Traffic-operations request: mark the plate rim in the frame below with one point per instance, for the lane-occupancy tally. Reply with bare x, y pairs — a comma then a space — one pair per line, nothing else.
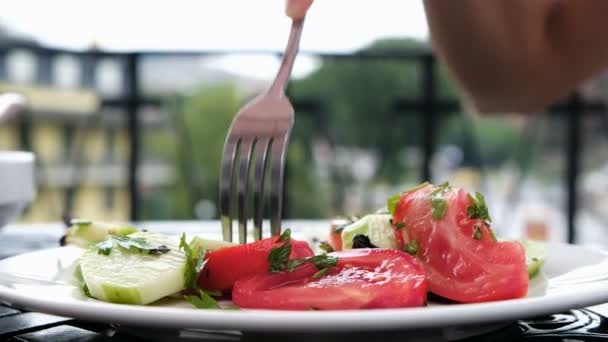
336, 320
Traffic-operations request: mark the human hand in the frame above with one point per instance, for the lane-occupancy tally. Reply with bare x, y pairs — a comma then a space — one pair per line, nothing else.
296, 9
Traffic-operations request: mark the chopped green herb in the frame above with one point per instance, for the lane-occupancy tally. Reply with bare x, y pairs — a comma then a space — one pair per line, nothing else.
214, 293
412, 247
320, 262
535, 259
392, 203
326, 247
195, 262
479, 209
400, 225
203, 301
477, 232
320, 273
439, 205
438, 208
439, 189
286, 236
138, 245
279, 256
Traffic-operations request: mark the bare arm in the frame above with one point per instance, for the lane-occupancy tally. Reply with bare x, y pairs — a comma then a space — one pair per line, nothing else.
519, 55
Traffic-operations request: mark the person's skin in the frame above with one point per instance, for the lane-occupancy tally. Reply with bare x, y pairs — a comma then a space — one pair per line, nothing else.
296, 9
519, 55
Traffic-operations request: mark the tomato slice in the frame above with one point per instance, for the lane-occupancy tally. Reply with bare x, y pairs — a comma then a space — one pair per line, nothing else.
362, 279
226, 265
461, 258
335, 238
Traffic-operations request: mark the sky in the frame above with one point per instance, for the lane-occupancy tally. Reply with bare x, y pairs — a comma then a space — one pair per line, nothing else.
124, 25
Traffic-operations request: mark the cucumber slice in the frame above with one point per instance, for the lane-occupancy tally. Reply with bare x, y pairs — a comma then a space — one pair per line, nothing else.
84, 233
377, 227
209, 245
130, 277
535, 256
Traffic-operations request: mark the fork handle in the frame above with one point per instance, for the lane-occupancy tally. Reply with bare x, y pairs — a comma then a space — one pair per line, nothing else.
278, 85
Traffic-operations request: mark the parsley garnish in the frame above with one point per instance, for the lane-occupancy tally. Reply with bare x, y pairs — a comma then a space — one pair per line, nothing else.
195, 262
479, 209
438, 208
400, 225
286, 236
439, 205
412, 247
139, 245
279, 256
477, 232
439, 189
322, 262
203, 301
326, 247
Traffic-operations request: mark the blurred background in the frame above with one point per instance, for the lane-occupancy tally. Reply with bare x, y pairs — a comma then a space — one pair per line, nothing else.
129, 104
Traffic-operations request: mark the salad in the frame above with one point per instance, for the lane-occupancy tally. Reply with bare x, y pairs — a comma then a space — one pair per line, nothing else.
431, 239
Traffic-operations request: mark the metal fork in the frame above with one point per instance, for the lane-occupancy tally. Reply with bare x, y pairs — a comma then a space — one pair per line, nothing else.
259, 131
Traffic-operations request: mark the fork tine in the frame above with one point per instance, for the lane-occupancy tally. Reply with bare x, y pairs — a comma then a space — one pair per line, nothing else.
226, 183
260, 154
278, 148
242, 187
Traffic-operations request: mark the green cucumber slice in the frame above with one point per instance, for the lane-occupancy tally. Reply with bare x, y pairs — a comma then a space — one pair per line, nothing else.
377, 227
84, 233
535, 256
129, 277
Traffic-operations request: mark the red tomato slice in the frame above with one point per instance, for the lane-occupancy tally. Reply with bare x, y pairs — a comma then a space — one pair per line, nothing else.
460, 264
362, 279
226, 265
335, 238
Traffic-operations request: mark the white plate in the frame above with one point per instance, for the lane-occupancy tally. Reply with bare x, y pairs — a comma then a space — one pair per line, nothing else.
573, 277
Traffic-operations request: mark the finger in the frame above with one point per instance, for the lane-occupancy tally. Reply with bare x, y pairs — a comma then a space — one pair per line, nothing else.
296, 9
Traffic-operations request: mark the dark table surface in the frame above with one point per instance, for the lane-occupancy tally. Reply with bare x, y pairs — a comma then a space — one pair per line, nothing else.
17, 325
